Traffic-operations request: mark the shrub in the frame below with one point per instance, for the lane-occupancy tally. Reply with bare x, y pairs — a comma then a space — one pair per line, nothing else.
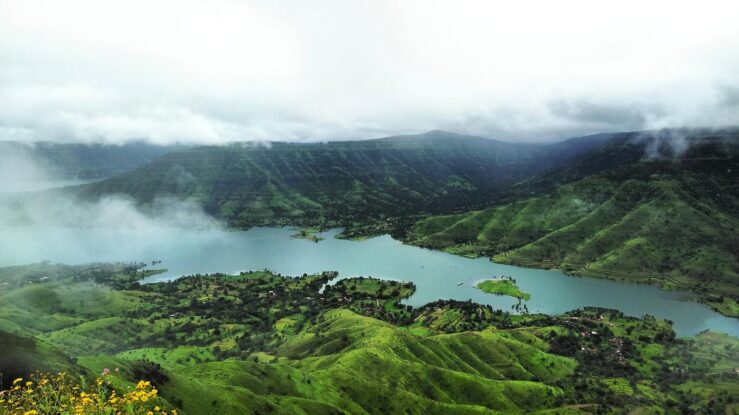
44, 394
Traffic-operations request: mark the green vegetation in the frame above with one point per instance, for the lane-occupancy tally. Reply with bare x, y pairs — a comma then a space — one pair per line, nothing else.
367, 187
261, 343
668, 222
46, 394
503, 286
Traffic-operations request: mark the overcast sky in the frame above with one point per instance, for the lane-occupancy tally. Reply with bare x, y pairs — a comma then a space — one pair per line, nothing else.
215, 71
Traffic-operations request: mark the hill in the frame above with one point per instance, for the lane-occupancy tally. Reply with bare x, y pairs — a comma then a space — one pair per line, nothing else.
342, 183
382, 183
666, 220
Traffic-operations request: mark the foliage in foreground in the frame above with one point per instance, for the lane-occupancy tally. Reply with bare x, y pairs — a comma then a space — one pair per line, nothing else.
46, 394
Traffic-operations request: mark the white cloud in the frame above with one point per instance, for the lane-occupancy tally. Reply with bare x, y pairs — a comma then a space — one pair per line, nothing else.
204, 71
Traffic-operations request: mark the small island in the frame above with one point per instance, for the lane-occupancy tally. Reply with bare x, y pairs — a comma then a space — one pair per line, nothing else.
503, 286
309, 234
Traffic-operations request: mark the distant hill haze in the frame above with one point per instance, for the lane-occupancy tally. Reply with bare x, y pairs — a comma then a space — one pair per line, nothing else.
60, 161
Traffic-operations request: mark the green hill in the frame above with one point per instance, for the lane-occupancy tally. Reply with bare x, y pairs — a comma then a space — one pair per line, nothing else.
341, 182
460, 373
668, 221
377, 186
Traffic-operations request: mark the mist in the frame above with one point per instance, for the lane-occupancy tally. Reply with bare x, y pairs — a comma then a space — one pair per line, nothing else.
675, 143
203, 72
55, 208
55, 224
19, 172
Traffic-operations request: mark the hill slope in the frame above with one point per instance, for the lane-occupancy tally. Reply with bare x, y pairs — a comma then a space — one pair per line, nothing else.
669, 221
342, 181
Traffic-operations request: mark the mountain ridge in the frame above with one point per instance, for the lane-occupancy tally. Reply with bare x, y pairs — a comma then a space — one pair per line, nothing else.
317, 183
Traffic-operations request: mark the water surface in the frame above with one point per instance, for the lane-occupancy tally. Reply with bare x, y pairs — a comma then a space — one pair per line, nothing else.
436, 274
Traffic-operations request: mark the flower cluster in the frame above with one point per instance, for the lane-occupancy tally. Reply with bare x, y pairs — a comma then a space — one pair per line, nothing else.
44, 394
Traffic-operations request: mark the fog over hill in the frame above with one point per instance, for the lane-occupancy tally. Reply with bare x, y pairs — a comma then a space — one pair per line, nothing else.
39, 161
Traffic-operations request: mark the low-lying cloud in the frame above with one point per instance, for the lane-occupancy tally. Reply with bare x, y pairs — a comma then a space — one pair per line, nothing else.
55, 208
212, 72
60, 226
675, 143
33, 196
19, 171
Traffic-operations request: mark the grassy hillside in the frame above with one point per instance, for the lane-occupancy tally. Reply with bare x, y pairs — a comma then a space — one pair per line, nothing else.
262, 343
346, 183
665, 221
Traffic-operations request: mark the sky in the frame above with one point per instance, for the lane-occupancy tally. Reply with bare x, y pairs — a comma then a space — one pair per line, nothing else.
219, 71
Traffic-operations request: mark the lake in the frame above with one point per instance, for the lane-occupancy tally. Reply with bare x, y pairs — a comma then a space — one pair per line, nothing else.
436, 274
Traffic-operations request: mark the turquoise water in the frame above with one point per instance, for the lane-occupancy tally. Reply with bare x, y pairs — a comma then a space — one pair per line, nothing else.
436, 274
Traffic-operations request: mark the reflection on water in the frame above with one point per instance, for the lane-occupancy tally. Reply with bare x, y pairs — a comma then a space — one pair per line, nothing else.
436, 274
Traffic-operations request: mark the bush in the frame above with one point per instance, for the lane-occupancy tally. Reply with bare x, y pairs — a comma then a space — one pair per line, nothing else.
44, 394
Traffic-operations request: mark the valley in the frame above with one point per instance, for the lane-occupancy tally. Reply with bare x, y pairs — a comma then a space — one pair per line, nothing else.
251, 207
386, 257
625, 206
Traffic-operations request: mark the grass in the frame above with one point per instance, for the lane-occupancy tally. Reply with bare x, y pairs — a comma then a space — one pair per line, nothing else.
503, 287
